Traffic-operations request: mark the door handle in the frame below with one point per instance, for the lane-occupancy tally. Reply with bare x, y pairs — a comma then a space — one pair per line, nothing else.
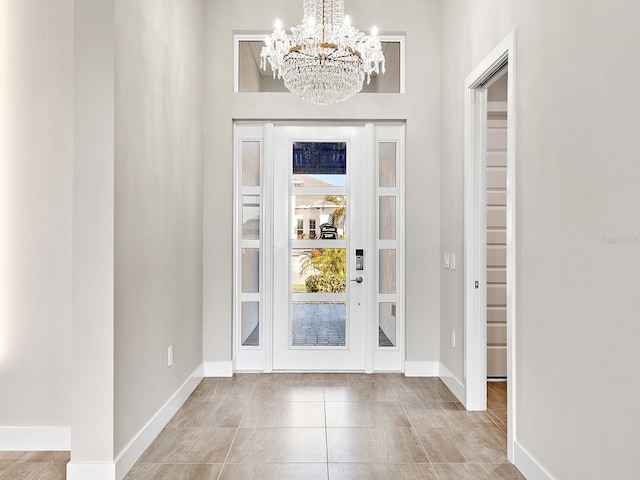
357, 279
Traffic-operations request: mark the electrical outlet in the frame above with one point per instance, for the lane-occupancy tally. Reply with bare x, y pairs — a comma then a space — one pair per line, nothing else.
170, 356
446, 260
453, 339
452, 261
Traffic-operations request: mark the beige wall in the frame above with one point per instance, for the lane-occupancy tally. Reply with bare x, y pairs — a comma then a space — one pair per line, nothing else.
36, 135
578, 243
420, 107
158, 205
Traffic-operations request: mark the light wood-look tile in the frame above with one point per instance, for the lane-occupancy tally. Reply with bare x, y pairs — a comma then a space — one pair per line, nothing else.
283, 414
275, 471
381, 471
238, 392
46, 457
288, 426
374, 444
294, 378
242, 377
366, 414
419, 390
439, 445
11, 456
35, 471
362, 392
286, 392
477, 471
158, 471
208, 414
205, 390
463, 420
482, 445
432, 414
278, 445
477, 444
190, 445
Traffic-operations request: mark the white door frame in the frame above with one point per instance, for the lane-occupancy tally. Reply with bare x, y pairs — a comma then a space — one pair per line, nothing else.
475, 313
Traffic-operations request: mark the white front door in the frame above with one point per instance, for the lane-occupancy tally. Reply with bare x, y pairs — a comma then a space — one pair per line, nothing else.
320, 222
318, 256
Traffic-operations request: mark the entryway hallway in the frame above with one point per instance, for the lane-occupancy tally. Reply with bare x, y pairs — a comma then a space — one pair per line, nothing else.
326, 426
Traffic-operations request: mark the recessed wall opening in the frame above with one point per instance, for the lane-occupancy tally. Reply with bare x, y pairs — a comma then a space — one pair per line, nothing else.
251, 78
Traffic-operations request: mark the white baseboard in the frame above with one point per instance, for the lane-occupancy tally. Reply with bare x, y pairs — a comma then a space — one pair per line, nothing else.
218, 369
528, 465
453, 384
420, 369
136, 447
35, 439
93, 471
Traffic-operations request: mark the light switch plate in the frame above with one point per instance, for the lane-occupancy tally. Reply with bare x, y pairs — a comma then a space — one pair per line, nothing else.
452, 261
446, 259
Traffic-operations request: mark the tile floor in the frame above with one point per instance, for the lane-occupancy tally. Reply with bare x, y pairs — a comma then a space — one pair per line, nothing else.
33, 465
314, 426
329, 426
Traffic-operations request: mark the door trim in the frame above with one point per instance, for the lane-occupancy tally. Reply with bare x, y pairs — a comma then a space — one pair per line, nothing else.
475, 317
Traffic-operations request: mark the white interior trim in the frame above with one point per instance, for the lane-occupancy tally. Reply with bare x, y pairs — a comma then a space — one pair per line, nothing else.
475, 218
94, 471
266, 246
218, 369
147, 434
421, 369
528, 465
475, 297
369, 332
35, 439
452, 382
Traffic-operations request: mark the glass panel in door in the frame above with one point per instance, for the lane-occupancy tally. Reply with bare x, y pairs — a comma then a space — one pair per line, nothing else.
318, 310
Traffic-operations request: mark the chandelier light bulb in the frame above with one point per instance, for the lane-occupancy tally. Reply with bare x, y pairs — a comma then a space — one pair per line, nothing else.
374, 31
325, 62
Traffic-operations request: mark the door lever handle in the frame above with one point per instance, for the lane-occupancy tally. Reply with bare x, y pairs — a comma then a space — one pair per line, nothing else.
357, 280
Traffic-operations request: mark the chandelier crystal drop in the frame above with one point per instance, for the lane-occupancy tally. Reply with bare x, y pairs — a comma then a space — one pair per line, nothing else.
324, 60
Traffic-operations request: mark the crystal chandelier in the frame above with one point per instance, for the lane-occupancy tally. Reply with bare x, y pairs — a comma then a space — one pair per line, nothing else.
325, 60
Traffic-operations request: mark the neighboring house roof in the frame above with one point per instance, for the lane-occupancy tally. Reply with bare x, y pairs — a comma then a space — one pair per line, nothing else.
311, 200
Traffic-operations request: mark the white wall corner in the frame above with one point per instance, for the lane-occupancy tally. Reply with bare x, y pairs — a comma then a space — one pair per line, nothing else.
35, 439
452, 383
528, 465
94, 471
136, 447
218, 369
420, 369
